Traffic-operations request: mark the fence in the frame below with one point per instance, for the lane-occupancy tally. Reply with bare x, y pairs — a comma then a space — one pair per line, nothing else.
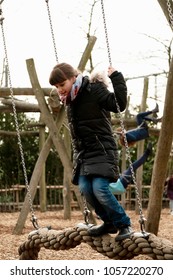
11, 199
129, 201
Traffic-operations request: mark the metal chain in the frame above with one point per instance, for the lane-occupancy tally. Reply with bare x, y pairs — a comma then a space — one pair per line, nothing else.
1, 15
170, 12
34, 219
86, 211
52, 32
106, 33
142, 219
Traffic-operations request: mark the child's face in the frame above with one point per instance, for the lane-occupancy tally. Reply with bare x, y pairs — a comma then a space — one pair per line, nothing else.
64, 88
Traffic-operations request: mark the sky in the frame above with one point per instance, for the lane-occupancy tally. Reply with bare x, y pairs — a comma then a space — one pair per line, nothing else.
137, 30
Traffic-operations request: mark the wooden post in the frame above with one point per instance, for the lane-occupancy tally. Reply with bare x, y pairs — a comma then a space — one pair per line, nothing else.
163, 5
123, 164
163, 148
67, 186
161, 159
52, 139
140, 146
36, 177
42, 181
87, 53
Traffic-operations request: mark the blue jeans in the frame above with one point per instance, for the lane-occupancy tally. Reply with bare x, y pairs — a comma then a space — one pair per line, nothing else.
97, 194
126, 177
143, 116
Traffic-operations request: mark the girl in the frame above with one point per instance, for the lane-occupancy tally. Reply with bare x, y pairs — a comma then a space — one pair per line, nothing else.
95, 153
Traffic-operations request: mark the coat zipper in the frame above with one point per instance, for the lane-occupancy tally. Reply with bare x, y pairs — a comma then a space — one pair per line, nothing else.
101, 144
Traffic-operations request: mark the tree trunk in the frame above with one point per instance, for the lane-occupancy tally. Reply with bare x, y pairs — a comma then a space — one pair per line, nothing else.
161, 160
163, 147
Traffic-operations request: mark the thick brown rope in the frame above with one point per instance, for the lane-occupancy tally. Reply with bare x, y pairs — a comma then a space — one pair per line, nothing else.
154, 247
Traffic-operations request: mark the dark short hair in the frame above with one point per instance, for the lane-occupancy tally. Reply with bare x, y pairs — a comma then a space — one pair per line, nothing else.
61, 72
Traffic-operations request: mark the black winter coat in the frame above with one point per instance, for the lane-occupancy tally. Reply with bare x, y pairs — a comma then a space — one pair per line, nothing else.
94, 147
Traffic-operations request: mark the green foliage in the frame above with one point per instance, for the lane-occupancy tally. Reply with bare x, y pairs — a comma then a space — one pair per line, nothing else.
11, 168
11, 171
54, 174
6, 199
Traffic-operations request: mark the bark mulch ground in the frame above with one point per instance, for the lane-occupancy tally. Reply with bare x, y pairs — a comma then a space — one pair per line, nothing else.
9, 243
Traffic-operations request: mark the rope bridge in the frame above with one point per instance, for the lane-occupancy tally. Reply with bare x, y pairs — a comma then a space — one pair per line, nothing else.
154, 247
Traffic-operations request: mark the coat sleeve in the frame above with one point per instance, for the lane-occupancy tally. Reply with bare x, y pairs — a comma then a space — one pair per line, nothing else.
107, 99
120, 89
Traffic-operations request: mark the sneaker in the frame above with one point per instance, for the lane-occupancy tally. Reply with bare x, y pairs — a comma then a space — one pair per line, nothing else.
156, 120
171, 212
117, 187
124, 233
156, 109
159, 119
102, 229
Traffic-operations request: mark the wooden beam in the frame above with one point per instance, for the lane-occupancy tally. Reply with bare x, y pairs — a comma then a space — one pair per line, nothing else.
87, 53
4, 92
164, 7
20, 105
22, 133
